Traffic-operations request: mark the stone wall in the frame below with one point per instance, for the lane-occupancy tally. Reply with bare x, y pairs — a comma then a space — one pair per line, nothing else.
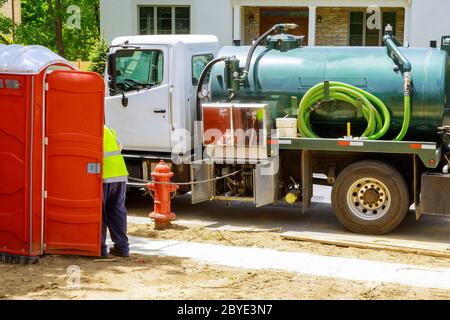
334, 28
400, 24
251, 29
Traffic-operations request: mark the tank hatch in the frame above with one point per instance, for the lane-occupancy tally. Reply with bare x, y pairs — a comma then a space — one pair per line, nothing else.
284, 42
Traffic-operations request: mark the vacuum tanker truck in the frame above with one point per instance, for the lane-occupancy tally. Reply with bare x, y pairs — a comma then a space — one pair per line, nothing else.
263, 123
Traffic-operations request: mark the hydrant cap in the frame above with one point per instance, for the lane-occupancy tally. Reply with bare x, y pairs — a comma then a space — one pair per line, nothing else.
162, 167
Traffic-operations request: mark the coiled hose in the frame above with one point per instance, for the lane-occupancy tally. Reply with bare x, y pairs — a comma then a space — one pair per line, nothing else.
377, 124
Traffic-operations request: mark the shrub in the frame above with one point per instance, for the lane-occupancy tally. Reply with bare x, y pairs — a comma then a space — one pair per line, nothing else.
98, 57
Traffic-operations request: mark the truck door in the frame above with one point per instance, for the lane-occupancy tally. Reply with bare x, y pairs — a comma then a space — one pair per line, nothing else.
143, 122
73, 158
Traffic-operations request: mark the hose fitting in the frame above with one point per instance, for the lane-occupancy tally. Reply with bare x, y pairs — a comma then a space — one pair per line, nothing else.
407, 83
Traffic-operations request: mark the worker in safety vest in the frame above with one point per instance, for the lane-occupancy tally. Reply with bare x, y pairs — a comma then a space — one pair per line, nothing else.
115, 177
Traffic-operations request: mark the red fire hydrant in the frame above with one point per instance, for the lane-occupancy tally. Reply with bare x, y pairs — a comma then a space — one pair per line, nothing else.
162, 189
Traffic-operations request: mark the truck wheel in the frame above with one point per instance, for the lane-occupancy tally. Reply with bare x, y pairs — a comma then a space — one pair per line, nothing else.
370, 197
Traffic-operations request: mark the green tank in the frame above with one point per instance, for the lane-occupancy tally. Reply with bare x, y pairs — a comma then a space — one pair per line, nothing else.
276, 74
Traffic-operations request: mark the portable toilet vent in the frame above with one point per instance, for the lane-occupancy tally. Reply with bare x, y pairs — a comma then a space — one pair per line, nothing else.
51, 136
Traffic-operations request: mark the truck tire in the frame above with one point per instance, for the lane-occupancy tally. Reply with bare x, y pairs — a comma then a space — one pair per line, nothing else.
370, 197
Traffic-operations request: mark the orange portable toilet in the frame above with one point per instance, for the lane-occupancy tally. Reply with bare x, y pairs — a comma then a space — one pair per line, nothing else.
51, 148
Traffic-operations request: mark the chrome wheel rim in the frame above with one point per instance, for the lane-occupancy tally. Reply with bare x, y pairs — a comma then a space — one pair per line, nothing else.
369, 199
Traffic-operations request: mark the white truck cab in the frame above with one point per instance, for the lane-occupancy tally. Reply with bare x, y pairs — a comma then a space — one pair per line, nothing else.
151, 83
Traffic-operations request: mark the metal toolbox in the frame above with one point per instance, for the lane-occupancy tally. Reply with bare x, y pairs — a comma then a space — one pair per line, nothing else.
238, 130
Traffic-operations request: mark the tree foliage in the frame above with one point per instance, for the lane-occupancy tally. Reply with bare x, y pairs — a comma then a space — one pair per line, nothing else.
48, 23
98, 57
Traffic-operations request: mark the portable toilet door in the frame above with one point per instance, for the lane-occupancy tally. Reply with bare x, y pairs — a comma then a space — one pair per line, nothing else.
73, 157
24, 129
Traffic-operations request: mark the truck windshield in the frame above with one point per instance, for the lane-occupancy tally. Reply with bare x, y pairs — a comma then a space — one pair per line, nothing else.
139, 69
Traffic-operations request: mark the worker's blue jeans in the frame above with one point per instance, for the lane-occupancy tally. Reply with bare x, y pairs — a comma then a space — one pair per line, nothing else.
115, 216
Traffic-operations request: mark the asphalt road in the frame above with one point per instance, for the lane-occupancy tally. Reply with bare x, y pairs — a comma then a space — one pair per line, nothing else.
319, 218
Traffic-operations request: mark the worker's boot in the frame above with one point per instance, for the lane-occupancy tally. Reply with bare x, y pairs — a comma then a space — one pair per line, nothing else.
119, 253
104, 252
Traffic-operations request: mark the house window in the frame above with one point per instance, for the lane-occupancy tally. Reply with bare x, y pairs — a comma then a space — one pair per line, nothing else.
361, 35
182, 20
356, 28
164, 20
147, 20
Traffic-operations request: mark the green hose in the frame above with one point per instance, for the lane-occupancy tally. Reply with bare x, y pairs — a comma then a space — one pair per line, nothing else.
377, 124
406, 118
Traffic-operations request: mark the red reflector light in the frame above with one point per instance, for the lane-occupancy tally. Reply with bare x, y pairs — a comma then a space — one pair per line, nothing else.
415, 146
432, 161
343, 143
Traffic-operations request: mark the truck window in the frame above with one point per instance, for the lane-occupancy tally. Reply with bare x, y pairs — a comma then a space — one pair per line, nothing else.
198, 64
139, 69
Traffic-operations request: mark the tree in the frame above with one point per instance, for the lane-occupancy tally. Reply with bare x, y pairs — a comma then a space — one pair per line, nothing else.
36, 26
45, 22
98, 57
56, 16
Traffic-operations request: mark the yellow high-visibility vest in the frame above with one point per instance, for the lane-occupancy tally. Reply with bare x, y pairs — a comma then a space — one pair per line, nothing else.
113, 163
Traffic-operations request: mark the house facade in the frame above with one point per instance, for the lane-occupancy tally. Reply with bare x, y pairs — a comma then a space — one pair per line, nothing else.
322, 22
11, 9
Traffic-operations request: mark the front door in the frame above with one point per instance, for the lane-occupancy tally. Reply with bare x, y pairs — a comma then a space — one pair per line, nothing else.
144, 122
272, 16
73, 158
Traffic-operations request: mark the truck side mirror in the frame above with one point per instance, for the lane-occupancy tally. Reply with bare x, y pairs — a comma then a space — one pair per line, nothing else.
112, 67
112, 70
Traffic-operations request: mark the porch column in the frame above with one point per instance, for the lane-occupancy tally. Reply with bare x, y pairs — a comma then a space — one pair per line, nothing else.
407, 25
312, 26
236, 24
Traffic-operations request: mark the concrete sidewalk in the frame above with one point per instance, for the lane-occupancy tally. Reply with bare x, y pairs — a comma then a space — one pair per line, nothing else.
319, 218
310, 264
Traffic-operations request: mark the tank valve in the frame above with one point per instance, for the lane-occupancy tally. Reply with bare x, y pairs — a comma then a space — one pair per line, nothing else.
233, 74
331, 177
294, 193
389, 30
447, 165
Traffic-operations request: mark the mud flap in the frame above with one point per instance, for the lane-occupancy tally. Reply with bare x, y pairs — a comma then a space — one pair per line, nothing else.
265, 182
435, 190
201, 171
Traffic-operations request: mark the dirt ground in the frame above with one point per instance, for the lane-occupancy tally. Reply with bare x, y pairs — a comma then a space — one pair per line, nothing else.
147, 277
150, 277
